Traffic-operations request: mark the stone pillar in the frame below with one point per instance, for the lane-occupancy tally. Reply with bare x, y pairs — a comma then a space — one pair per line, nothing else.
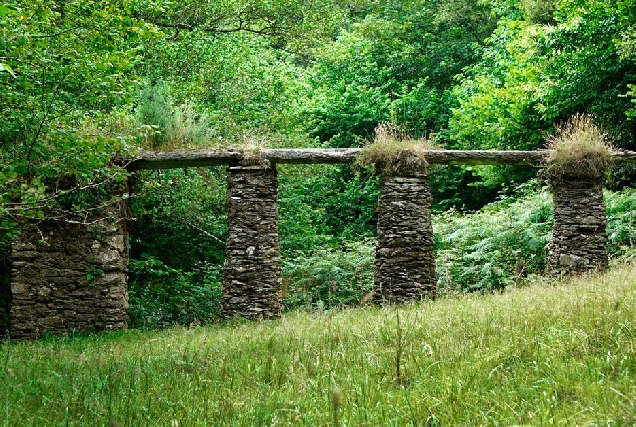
404, 259
69, 278
579, 237
252, 269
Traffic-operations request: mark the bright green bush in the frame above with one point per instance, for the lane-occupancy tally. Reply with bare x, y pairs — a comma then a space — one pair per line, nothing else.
179, 217
620, 224
318, 204
477, 251
167, 125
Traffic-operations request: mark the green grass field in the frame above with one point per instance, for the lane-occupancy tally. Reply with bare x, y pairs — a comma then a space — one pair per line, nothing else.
544, 354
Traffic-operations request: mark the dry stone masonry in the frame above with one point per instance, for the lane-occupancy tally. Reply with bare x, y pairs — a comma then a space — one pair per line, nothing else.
404, 259
69, 277
579, 237
252, 270
72, 277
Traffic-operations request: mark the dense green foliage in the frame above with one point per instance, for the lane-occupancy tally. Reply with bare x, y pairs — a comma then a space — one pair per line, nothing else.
538, 355
161, 296
474, 252
535, 71
175, 269
396, 62
329, 277
477, 252
65, 66
82, 81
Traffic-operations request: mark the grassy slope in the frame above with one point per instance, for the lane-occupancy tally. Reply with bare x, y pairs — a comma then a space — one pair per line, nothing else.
536, 355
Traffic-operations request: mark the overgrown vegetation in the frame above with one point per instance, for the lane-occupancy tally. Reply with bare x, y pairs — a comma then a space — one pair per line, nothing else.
503, 245
167, 126
330, 277
538, 355
477, 252
578, 148
161, 296
84, 80
393, 152
177, 247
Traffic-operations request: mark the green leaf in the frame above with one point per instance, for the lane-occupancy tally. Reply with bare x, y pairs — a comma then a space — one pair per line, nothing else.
5, 67
6, 9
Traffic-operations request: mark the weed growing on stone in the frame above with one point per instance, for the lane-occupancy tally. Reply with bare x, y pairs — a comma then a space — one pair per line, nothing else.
394, 152
562, 353
578, 148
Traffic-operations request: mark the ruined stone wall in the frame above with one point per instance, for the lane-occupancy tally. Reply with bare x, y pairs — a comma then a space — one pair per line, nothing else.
579, 237
69, 277
252, 270
404, 259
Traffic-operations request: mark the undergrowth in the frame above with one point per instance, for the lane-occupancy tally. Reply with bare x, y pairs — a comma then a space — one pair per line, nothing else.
474, 252
538, 355
330, 277
478, 251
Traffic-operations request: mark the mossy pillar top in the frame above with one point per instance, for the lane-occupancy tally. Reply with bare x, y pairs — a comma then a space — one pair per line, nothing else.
252, 270
579, 236
404, 259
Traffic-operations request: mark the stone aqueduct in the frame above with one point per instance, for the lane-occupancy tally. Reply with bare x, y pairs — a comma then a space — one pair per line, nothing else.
72, 277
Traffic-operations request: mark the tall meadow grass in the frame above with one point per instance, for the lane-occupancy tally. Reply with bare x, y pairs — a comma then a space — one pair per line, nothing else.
562, 353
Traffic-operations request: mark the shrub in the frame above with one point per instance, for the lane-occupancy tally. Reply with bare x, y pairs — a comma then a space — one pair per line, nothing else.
161, 296
167, 125
620, 224
177, 246
330, 277
322, 204
477, 251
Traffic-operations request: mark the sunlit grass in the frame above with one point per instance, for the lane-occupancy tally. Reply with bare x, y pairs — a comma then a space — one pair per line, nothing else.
563, 353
